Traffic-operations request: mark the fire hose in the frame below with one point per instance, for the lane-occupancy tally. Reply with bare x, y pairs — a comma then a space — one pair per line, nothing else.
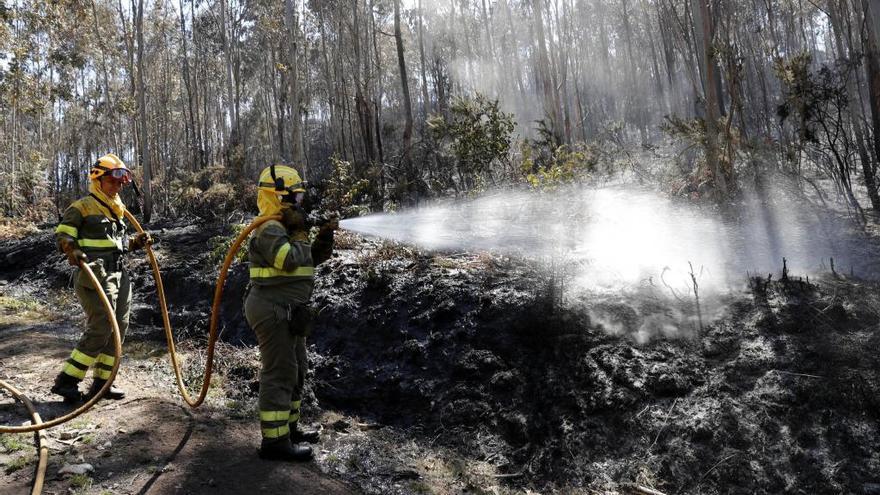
37, 425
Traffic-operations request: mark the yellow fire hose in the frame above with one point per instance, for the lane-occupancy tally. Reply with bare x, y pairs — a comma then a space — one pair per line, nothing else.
41, 436
37, 425
117, 349
215, 308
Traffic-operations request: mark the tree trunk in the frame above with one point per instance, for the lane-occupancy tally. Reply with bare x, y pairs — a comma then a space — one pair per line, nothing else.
407, 104
544, 73
872, 48
296, 138
190, 122
426, 108
144, 155
362, 107
704, 37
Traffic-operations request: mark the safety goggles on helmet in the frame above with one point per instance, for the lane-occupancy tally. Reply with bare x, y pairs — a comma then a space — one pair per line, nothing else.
111, 165
294, 198
295, 189
120, 174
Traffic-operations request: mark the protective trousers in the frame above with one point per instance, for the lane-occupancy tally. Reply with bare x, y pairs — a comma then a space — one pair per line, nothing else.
283, 356
95, 348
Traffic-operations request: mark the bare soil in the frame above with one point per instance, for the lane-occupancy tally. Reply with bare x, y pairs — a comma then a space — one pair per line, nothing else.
149, 442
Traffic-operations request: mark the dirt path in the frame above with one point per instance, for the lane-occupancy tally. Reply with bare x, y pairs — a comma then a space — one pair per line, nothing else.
150, 442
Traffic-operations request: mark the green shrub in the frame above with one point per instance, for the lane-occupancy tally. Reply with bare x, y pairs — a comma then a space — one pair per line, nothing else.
344, 191
563, 166
80, 483
219, 246
13, 442
478, 134
211, 193
17, 463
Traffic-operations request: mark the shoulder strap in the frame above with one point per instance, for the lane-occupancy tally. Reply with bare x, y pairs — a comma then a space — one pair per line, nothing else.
112, 213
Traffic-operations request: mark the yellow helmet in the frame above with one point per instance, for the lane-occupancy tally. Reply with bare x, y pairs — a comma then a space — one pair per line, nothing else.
113, 165
281, 179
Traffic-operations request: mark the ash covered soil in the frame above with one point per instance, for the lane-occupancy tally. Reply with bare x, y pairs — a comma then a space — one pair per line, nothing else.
465, 373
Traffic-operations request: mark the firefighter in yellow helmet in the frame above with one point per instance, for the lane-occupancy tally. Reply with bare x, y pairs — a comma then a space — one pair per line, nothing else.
92, 231
282, 270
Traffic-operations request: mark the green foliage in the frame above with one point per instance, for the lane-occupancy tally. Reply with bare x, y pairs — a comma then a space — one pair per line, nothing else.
22, 310
13, 442
478, 134
815, 105
813, 102
343, 189
17, 463
219, 246
695, 180
212, 193
692, 130
80, 483
563, 165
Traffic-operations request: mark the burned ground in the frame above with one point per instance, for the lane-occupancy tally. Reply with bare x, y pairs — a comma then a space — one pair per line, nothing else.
779, 395
423, 360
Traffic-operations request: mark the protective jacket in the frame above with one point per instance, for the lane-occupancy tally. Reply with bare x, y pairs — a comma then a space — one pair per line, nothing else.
99, 231
281, 270
282, 279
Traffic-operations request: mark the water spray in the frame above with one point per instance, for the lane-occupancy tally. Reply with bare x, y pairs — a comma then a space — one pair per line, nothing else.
618, 237
622, 244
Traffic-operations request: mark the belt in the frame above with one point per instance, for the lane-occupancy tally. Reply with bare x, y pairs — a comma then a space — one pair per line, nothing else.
112, 261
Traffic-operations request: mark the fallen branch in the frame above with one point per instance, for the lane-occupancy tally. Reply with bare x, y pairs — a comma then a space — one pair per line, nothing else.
697, 298
700, 481
668, 413
508, 475
663, 279
798, 374
640, 490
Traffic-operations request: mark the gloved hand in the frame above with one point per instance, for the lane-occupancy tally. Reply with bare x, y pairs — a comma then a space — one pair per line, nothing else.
328, 228
140, 240
299, 236
332, 224
293, 218
74, 254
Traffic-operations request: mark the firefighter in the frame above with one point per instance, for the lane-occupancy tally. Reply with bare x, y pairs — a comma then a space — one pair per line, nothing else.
92, 231
282, 262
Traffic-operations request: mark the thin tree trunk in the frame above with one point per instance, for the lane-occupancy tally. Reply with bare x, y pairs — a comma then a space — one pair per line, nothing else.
144, 158
872, 16
407, 106
703, 31
231, 100
190, 122
426, 102
545, 79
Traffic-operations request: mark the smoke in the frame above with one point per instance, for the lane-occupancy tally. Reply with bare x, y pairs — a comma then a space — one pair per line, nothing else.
495, 53
613, 243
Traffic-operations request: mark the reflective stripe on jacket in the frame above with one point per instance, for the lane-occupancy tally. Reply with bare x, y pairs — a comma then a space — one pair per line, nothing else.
281, 270
95, 228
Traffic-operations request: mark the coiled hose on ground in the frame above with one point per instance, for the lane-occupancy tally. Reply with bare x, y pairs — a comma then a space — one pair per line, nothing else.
37, 425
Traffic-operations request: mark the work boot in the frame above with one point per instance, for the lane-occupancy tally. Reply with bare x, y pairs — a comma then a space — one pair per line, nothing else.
283, 450
297, 435
113, 394
68, 387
